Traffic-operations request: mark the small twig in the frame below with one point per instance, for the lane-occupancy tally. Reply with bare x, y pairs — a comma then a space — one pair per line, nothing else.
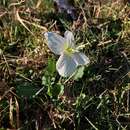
1, 15
17, 113
24, 77
38, 4
39, 91
21, 21
7, 64
36, 25
128, 100
104, 43
119, 122
6, 92
91, 123
11, 111
14, 4
69, 78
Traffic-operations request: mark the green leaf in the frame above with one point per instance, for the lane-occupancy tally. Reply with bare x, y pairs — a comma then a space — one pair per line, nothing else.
26, 90
45, 80
51, 68
56, 90
2, 129
49, 91
79, 73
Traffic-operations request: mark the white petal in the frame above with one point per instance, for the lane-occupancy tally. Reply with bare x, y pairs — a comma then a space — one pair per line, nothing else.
65, 65
80, 58
69, 38
55, 42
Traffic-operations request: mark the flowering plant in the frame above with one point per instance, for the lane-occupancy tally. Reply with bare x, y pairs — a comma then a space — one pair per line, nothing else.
70, 56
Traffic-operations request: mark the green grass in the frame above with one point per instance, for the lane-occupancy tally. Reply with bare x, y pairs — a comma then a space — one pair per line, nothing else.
32, 94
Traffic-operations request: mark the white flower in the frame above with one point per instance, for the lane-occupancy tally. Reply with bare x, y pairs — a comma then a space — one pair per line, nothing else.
70, 57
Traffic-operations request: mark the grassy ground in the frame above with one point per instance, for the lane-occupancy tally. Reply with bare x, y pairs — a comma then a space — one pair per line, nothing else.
32, 94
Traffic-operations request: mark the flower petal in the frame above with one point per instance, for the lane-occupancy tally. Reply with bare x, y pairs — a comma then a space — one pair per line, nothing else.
80, 58
65, 65
55, 42
69, 38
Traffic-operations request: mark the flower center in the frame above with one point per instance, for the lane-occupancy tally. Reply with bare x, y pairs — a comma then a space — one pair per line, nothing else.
68, 50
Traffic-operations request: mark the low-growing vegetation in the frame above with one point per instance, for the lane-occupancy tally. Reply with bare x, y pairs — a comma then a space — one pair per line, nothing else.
33, 96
